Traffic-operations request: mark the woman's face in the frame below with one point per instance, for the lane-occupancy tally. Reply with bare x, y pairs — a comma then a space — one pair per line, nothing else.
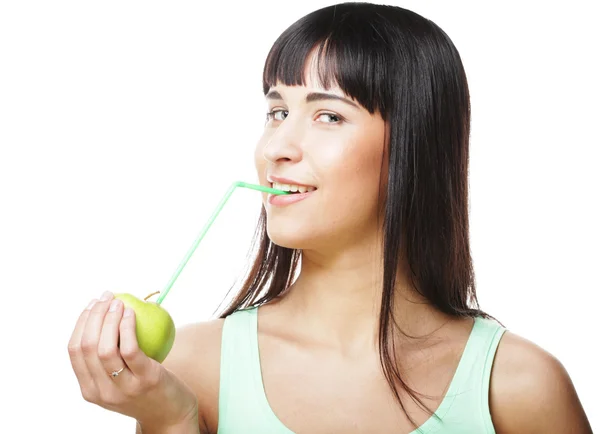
335, 145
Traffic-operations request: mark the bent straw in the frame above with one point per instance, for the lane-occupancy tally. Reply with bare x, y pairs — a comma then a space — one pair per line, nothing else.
190, 252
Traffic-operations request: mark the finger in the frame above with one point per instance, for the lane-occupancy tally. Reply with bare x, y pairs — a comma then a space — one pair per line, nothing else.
89, 346
108, 346
138, 362
75, 353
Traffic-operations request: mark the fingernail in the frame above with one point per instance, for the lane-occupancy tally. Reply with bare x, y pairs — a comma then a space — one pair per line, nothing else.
128, 312
114, 305
92, 303
106, 296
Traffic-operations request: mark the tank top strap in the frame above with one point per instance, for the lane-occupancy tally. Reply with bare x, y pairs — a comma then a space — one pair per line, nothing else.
476, 362
467, 401
243, 405
237, 388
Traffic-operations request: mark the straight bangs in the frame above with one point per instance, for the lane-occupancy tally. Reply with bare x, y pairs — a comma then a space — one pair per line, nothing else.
348, 52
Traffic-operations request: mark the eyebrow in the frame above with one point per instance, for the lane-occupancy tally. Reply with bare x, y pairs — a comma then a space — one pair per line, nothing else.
315, 96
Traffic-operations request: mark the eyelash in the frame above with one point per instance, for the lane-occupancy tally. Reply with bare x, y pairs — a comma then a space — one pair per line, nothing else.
271, 114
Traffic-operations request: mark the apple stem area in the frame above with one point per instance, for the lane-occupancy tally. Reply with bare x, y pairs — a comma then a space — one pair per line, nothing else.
148, 296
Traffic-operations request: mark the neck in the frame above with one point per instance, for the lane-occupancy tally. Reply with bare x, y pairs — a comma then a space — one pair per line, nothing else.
337, 300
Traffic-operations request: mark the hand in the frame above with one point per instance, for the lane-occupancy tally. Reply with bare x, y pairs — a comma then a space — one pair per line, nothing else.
103, 341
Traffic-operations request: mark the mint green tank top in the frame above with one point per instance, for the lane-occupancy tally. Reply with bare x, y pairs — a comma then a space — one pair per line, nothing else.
244, 409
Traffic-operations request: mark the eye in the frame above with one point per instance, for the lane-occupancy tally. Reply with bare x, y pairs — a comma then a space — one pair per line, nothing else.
280, 115
336, 118
273, 113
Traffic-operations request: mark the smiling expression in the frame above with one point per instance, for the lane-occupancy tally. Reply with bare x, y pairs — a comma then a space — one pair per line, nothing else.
323, 138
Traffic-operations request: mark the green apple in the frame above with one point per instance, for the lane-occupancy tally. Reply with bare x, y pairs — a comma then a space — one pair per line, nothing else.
154, 326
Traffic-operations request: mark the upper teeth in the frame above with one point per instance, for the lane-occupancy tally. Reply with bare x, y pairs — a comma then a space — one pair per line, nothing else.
292, 187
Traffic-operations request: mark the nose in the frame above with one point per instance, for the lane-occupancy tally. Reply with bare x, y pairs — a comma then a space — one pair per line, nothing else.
284, 144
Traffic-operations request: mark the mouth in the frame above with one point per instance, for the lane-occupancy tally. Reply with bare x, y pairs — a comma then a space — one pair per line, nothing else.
293, 188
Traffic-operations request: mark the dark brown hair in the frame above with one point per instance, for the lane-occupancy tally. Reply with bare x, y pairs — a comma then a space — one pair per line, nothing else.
403, 66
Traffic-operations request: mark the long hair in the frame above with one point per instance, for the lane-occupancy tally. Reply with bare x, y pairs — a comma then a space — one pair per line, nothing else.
406, 68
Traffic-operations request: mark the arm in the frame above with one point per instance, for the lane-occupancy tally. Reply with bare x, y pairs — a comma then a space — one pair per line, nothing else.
195, 359
531, 392
191, 427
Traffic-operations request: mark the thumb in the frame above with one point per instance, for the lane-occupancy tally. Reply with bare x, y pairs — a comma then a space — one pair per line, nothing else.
137, 362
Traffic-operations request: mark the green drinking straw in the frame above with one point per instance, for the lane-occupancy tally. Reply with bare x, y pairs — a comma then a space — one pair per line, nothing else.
190, 252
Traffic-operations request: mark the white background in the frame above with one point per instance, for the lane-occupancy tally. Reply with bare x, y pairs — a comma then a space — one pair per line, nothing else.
122, 124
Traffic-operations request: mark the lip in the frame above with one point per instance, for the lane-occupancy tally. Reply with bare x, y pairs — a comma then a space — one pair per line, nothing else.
287, 199
281, 180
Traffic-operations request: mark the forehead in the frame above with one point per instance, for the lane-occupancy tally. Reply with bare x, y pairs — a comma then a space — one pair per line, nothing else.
312, 82
282, 91
312, 66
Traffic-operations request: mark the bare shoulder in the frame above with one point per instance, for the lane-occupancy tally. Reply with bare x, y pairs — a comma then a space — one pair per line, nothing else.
195, 359
531, 391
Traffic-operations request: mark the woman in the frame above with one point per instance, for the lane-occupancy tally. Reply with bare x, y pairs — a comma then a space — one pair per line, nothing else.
359, 314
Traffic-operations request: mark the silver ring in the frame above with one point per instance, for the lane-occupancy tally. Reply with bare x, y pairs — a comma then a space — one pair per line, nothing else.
116, 373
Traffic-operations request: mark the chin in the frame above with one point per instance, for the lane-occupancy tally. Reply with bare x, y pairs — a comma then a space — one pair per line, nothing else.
286, 239
290, 238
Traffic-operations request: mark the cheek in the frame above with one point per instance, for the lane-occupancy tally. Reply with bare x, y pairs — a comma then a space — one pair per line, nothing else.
259, 160
357, 168
260, 164
352, 181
